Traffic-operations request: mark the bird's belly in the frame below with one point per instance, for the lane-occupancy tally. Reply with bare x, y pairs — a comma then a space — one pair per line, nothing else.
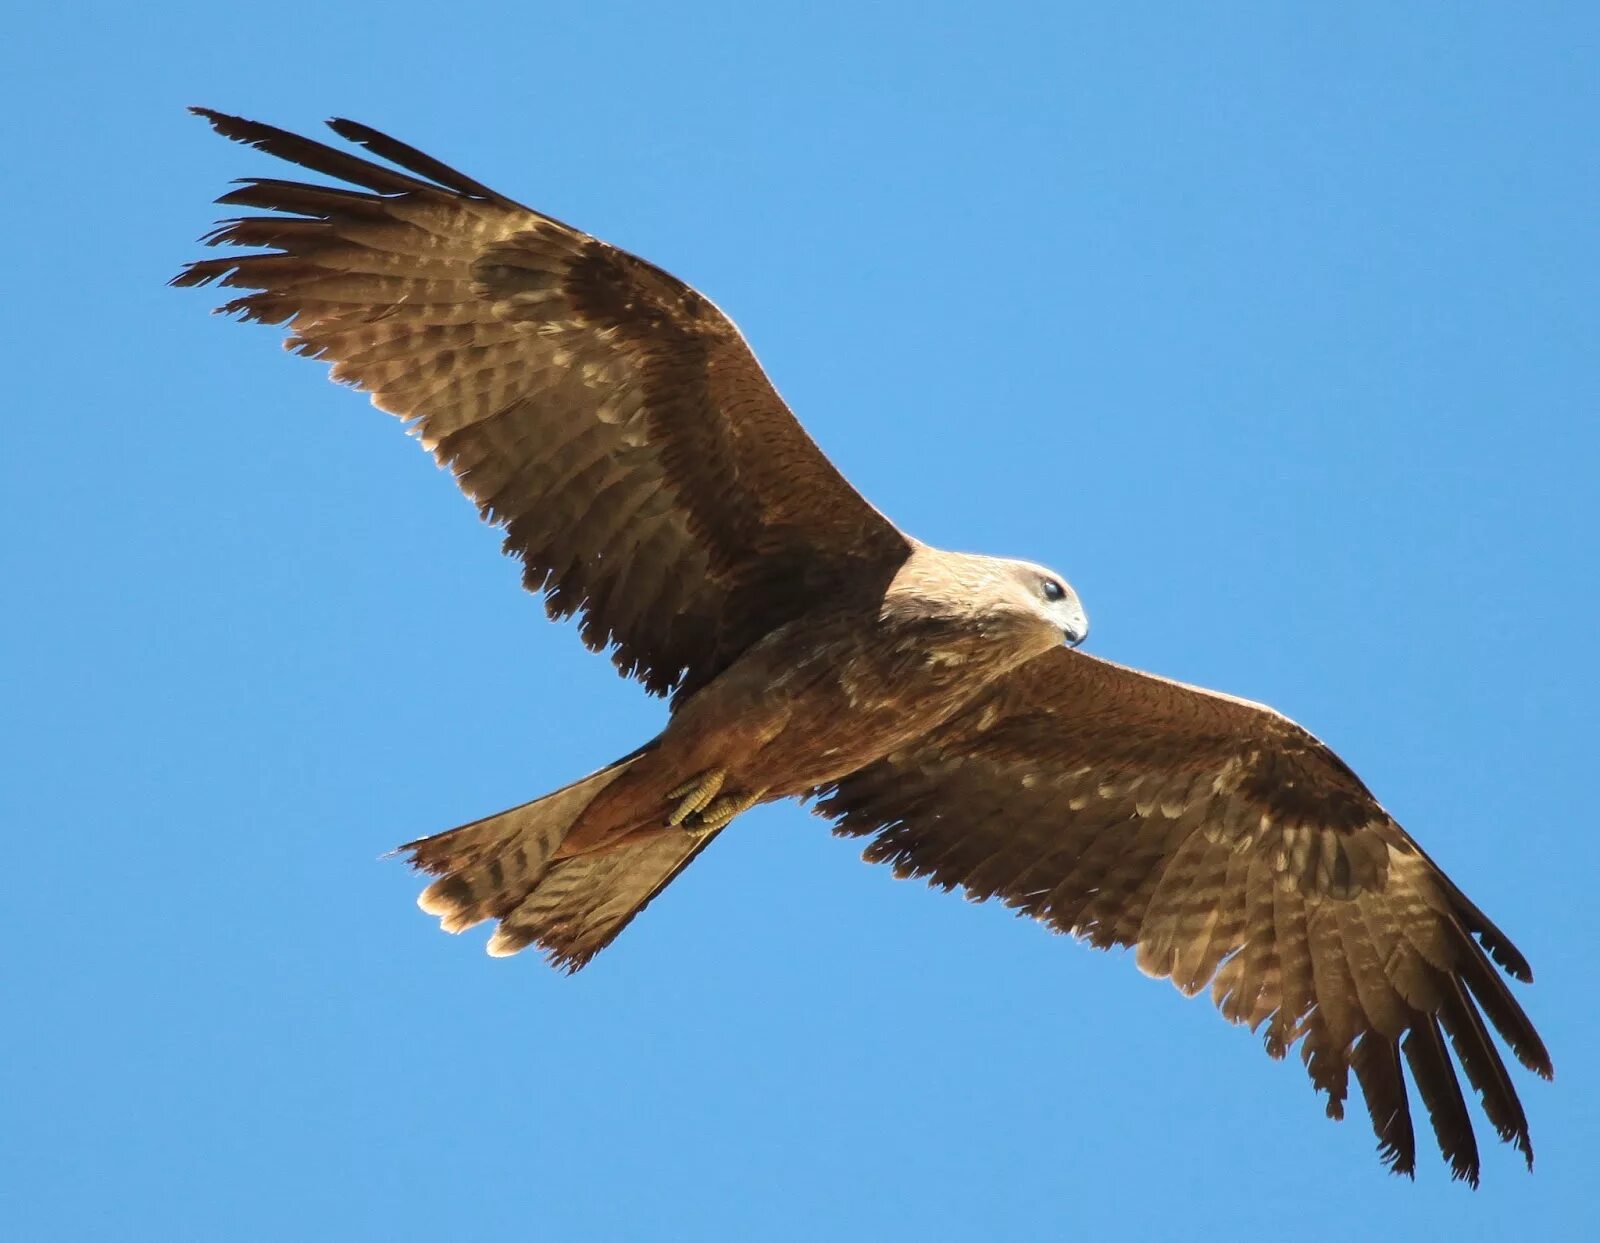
837, 729
810, 706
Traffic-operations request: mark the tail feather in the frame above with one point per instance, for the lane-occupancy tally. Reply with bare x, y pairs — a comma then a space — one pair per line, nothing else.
489, 866
504, 867
583, 903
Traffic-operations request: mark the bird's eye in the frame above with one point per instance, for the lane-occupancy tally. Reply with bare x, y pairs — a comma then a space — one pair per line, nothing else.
1053, 590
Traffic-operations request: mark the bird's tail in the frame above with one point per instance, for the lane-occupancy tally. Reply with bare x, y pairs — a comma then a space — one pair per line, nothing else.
505, 867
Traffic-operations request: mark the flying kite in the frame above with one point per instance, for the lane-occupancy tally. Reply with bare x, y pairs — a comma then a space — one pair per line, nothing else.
651, 480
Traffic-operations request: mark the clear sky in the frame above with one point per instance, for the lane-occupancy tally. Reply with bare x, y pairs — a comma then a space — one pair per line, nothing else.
1275, 331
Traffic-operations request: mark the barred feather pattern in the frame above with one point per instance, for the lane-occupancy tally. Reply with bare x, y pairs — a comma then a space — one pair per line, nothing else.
1232, 851
506, 868
607, 415
585, 902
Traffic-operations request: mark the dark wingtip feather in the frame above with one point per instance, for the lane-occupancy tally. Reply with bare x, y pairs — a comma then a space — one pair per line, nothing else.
238, 129
1376, 1062
1509, 1018
317, 156
1484, 1068
1488, 933
1506, 954
409, 158
188, 276
1435, 1077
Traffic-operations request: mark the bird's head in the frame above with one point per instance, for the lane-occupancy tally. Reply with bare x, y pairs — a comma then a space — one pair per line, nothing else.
1025, 606
1044, 602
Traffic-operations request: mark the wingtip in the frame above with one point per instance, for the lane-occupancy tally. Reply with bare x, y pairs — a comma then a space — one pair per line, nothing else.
234, 128
1507, 955
1401, 1161
218, 120
351, 130
1535, 1057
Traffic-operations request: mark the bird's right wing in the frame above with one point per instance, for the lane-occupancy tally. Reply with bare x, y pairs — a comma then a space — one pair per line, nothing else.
607, 415
1231, 849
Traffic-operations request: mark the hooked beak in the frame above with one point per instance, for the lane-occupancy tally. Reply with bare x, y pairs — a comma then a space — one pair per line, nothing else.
1076, 630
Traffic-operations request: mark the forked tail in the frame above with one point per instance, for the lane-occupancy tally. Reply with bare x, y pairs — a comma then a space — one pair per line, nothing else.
503, 867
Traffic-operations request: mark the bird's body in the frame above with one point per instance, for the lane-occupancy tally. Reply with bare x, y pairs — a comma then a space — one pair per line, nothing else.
835, 690
651, 480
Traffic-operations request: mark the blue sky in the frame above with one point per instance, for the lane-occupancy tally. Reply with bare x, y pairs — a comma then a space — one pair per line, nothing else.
1275, 331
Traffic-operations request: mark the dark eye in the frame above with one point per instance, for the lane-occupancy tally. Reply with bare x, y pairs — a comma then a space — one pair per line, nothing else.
1053, 590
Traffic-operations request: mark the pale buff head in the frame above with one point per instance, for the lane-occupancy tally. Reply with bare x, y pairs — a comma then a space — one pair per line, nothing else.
1025, 606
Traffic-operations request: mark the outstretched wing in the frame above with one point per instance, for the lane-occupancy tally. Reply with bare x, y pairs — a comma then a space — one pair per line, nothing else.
608, 416
1231, 848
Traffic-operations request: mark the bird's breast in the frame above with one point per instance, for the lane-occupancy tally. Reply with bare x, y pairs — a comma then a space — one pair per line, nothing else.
827, 696
859, 701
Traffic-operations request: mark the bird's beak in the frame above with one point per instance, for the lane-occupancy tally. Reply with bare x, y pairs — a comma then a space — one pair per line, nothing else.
1077, 629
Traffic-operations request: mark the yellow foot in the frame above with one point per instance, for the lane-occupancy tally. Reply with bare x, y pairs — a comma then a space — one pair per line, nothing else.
722, 810
696, 794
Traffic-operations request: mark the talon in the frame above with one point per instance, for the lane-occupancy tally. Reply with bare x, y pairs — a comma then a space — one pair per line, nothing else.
722, 810
696, 794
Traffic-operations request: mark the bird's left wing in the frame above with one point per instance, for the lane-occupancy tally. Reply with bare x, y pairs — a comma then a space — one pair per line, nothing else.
1231, 849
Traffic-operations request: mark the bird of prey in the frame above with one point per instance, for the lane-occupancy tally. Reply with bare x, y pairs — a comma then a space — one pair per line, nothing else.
651, 480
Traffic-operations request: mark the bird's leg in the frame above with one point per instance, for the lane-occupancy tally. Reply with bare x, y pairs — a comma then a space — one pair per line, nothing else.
719, 811
696, 793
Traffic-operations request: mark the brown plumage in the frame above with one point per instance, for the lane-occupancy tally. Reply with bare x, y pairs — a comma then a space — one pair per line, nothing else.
650, 479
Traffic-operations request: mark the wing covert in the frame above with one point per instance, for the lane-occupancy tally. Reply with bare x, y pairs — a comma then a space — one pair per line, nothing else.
1231, 849
604, 413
